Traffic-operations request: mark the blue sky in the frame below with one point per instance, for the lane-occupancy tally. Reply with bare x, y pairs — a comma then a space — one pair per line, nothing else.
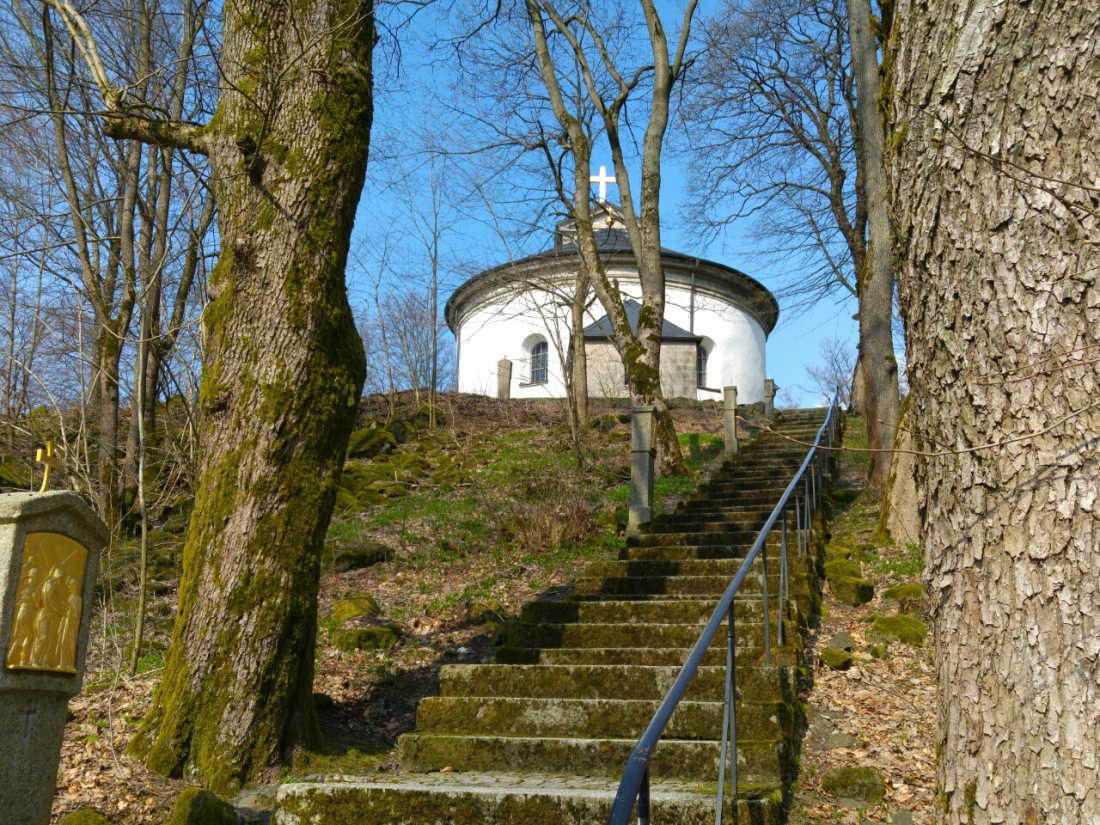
400, 183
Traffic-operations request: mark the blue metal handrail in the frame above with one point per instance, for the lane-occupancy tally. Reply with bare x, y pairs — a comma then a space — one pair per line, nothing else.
634, 786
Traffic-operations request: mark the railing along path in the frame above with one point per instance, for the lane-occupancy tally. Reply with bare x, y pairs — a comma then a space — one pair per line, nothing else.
802, 495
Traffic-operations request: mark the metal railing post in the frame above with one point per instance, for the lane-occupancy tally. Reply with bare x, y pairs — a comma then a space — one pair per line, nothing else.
798, 524
782, 588
767, 618
729, 721
643, 799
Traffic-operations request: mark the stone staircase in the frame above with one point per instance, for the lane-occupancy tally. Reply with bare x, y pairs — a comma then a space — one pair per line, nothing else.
543, 735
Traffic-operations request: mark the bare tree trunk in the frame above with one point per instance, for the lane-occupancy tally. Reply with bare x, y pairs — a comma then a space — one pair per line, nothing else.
875, 278
580, 354
994, 190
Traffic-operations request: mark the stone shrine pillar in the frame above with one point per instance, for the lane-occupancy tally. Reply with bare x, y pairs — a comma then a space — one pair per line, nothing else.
769, 397
49, 552
642, 455
729, 419
504, 378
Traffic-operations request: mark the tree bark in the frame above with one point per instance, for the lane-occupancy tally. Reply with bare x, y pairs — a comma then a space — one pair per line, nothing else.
875, 273
994, 175
282, 376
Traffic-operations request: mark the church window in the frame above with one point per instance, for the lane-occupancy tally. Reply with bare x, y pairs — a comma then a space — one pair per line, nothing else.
540, 363
700, 366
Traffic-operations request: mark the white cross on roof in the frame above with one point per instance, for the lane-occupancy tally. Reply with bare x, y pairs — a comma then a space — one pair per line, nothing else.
602, 179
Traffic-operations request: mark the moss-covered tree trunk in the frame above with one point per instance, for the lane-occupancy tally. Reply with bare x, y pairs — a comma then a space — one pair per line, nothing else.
995, 175
282, 375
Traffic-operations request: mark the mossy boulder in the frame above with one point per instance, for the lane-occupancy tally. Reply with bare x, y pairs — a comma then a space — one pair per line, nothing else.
851, 591
843, 641
371, 442
381, 637
863, 783
486, 611
84, 817
842, 568
358, 556
908, 596
905, 629
878, 651
352, 608
836, 659
198, 807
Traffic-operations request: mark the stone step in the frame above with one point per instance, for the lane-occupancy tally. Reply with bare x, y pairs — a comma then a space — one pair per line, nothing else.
594, 587
707, 551
642, 635
670, 538
788, 656
596, 718
687, 522
726, 567
758, 761
469, 798
765, 499
754, 683
638, 611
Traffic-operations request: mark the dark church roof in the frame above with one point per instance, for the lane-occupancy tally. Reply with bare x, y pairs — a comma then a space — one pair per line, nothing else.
614, 246
669, 332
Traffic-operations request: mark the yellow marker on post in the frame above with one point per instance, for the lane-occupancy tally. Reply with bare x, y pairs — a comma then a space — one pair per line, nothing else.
47, 458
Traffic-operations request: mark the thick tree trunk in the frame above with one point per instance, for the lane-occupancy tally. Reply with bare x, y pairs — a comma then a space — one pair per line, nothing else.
281, 382
875, 277
995, 123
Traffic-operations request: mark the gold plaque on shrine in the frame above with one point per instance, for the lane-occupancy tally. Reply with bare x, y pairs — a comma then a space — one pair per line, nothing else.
48, 604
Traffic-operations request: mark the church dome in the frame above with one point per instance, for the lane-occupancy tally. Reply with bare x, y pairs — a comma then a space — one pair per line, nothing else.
519, 313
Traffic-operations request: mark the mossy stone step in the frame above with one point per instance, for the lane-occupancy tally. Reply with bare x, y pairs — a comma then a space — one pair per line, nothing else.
510, 799
664, 567
545, 634
669, 538
682, 586
720, 522
688, 523
715, 550
596, 718
757, 760
665, 611
754, 683
656, 657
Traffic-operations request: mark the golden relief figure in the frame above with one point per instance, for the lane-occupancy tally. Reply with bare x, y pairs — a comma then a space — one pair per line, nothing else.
48, 604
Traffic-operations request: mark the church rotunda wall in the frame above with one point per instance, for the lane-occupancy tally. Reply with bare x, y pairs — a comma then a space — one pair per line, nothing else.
502, 312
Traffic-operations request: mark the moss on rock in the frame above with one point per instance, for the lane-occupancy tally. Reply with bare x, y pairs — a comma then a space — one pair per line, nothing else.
86, 816
852, 591
353, 608
368, 553
370, 442
863, 783
367, 638
836, 659
486, 610
198, 807
842, 568
908, 596
905, 629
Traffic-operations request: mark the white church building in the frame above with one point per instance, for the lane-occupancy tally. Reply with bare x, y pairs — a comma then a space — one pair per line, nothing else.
512, 323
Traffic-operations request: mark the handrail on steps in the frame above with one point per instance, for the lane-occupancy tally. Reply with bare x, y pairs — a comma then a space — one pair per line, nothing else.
634, 786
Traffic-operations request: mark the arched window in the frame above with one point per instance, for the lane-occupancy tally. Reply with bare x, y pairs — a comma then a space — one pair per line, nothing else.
700, 365
540, 363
